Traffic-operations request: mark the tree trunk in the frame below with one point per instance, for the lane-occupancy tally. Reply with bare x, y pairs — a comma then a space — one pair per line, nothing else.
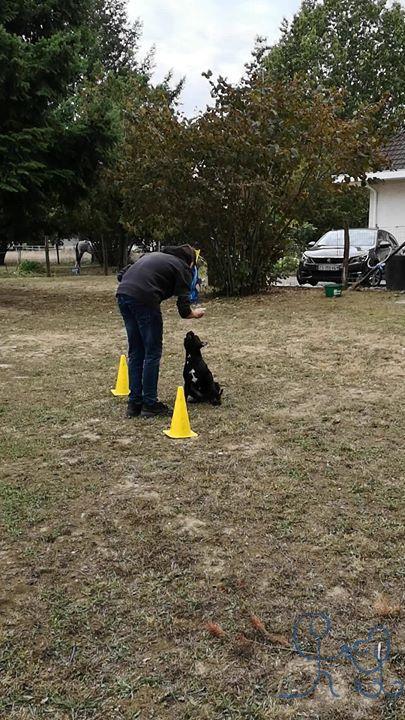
122, 253
105, 254
346, 255
47, 261
3, 251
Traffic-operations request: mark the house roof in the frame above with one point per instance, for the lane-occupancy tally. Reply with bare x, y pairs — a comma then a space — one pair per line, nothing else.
396, 151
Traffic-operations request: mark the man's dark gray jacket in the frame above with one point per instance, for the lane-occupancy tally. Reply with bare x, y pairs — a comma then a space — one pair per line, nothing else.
158, 276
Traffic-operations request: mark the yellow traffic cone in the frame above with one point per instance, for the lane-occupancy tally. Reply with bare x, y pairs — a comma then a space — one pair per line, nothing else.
122, 386
180, 429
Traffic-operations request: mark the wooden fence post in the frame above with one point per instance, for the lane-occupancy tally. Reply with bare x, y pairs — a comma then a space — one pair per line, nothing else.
48, 264
57, 252
346, 256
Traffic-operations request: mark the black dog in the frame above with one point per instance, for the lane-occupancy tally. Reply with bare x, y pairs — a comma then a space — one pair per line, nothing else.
199, 384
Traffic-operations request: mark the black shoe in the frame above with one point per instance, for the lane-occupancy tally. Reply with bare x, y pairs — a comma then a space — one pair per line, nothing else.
158, 409
133, 409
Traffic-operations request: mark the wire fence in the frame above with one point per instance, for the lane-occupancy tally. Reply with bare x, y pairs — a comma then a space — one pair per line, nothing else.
61, 255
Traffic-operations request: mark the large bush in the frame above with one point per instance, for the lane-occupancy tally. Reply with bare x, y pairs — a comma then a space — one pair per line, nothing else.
239, 177
266, 152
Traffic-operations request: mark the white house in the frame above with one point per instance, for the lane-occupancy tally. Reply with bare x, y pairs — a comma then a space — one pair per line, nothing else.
387, 192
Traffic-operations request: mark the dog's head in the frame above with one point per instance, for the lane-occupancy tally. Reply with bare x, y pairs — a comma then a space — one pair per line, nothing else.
192, 342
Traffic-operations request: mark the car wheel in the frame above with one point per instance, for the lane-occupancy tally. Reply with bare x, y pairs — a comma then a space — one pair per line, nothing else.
375, 279
313, 282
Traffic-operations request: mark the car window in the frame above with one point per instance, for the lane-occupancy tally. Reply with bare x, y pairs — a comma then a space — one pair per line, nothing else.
362, 238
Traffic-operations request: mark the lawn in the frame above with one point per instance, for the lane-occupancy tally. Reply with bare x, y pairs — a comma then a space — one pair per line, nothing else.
119, 546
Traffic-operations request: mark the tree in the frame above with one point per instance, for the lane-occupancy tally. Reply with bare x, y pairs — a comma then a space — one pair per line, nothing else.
126, 85
264, 153
116, 49
55, 128
115, 210
155, 170
354, 46
357, 49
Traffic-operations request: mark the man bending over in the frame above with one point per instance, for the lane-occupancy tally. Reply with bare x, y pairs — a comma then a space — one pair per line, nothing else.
154, 277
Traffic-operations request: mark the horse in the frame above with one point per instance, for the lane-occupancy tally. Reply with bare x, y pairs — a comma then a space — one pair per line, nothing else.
81, 247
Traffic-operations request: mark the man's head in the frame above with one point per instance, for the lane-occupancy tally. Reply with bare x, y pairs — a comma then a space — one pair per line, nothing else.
184, 252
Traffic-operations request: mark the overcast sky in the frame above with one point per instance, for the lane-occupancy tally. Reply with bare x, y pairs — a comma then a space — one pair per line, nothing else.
192, 36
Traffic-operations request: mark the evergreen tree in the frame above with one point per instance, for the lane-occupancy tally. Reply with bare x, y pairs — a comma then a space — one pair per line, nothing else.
55, 130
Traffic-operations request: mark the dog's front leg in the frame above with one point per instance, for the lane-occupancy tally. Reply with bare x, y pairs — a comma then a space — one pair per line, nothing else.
187, 389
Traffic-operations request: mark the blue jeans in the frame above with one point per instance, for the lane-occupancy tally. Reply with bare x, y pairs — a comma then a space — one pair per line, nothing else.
144, 326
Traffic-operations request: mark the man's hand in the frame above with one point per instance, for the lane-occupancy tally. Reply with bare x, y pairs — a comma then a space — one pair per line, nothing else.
196, 314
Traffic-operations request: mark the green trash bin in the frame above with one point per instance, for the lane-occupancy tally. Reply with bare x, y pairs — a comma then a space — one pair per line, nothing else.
333, 290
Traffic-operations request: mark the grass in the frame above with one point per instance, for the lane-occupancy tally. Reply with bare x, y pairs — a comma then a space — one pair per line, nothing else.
30, 267
118, 546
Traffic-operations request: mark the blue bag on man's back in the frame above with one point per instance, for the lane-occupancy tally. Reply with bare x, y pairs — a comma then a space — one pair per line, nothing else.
195, 282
